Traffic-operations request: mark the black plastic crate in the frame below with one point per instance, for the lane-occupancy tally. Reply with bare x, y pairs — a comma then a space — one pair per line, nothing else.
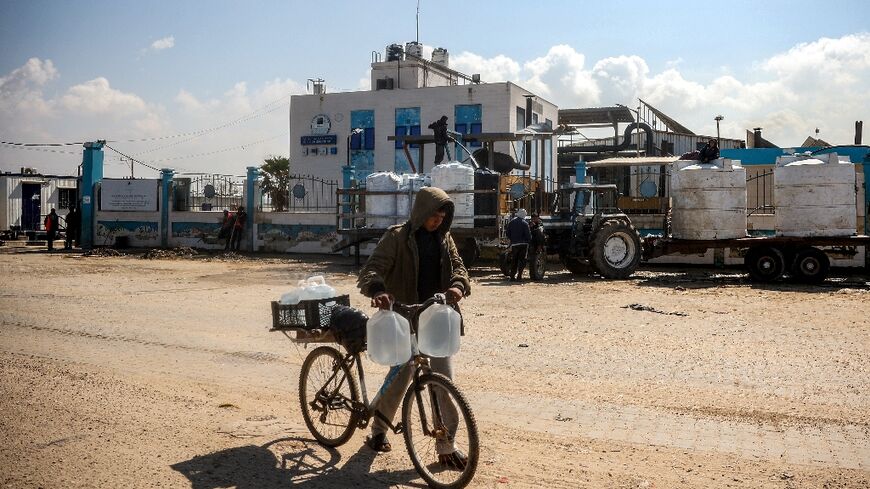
312, 314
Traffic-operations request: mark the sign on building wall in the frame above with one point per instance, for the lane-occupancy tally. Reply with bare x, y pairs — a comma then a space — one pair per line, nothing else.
129, 195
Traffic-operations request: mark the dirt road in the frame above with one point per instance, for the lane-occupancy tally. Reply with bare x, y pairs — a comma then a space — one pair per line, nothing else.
126, 372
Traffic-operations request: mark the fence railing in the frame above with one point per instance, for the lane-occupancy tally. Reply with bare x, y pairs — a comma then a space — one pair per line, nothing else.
207, 192
305, 193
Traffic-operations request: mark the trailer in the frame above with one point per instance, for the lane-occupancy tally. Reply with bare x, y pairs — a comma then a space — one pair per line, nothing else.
768, 258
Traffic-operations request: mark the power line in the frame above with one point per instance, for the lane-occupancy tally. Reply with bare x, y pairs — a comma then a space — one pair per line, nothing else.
251, 115
33, 148
146, 165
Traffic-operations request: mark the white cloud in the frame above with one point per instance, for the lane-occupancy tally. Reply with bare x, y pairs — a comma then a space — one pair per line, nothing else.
165, 43
97, 97
820, 83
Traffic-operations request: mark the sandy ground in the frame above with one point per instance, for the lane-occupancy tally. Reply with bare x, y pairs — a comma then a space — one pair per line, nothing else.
126, 372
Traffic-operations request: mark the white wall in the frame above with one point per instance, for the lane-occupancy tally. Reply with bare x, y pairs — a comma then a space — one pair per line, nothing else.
498, 101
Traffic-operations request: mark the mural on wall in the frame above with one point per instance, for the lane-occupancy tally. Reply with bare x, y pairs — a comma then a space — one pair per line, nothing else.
197, 230
107, 231
291, 234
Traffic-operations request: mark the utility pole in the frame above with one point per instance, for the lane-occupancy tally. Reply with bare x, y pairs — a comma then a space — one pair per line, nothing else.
718, 119
131, 168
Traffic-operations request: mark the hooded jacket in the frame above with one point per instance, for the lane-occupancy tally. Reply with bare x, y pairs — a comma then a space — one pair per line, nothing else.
394, 265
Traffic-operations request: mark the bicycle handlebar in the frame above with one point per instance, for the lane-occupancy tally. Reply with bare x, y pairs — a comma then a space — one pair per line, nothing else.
411, 310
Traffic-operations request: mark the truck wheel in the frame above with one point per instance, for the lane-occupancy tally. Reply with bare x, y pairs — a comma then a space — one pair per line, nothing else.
537, 265
810, 266
616, 250
765, 264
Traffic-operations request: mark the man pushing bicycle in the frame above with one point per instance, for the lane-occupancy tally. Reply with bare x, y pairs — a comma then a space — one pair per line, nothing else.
411, 263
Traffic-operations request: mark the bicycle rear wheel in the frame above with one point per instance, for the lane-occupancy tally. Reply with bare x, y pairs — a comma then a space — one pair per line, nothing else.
326, 392
445, 425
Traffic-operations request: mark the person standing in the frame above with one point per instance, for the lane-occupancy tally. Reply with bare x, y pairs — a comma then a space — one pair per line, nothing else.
238, 228
51, 224
411, 263
537, 243
520, 235
439, 128
73, 225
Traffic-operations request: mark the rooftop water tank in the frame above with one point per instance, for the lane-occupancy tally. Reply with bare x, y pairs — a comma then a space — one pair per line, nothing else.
395, 52
814, 196
456, 176
381, 205
708, 200
441, 57
414, 48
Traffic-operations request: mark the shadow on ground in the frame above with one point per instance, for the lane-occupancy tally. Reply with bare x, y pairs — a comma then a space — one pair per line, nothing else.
288, 462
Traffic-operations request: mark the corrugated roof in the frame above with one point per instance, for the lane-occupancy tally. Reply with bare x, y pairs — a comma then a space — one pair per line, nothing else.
671, 123
595, 115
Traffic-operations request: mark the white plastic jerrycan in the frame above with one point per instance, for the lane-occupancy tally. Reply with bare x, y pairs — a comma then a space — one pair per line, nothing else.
438, 331
318, 289
388, 336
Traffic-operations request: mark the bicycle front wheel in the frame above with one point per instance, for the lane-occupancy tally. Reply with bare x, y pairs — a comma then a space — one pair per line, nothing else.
326, 393
438, 422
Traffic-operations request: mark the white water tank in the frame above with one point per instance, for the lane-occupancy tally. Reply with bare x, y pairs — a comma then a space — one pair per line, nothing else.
411, 184
414, 48
708, 200
441, 56
381, 205
454, 176
814, 196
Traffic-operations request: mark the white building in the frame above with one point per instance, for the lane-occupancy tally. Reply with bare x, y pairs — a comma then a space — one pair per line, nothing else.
27, 197
409, 93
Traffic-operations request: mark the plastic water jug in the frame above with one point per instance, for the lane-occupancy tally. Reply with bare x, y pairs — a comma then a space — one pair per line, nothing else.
438, 331
388, 336
294, 296
317, 288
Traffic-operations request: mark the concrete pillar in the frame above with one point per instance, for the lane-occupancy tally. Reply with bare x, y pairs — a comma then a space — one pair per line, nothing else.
165, 203
92, 173
251, 191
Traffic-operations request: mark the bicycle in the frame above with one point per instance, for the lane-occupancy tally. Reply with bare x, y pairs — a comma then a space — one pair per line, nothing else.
331, 407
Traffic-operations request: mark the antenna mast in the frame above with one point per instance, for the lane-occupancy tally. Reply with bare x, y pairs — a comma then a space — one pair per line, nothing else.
418, 21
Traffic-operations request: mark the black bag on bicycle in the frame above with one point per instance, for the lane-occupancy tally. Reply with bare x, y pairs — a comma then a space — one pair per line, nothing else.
348, 325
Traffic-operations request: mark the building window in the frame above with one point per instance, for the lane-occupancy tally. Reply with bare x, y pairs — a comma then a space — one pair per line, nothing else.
362, 144
67, 197
407, 124
468, 120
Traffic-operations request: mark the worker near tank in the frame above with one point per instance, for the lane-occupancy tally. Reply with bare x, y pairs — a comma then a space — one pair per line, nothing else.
709, 152
411, 263
439, 128
519, 235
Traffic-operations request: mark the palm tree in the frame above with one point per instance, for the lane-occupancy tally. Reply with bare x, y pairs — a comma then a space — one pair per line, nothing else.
276, 181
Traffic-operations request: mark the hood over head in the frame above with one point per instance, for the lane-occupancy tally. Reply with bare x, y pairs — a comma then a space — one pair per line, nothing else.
429, 200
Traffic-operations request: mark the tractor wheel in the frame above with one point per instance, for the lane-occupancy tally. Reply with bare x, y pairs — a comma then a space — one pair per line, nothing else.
577, 267
810, 266
469, 251
616, 249
537, 265
765, 263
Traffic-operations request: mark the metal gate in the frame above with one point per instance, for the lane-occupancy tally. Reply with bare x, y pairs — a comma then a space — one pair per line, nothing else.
207, 192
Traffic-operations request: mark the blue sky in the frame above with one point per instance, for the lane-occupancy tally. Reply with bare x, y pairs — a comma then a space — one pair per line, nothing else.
127, 70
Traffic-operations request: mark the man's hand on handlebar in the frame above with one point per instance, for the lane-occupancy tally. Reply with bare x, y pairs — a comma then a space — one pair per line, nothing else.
383, 300
454, 295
